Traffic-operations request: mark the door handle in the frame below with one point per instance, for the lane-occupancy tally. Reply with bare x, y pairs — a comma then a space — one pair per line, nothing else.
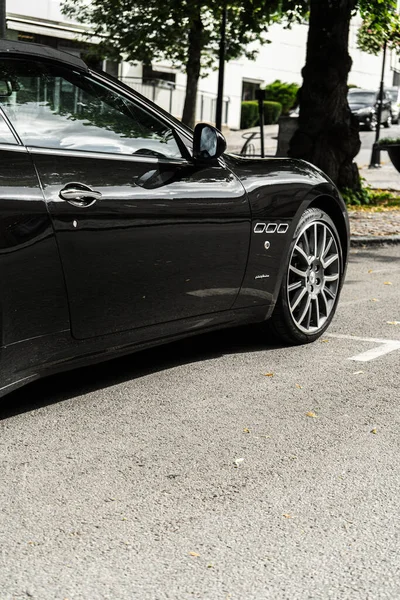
79, 195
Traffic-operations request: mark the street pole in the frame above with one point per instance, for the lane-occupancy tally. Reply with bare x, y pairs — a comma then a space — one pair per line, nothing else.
3, 26
260, 97
376, 153
220, 94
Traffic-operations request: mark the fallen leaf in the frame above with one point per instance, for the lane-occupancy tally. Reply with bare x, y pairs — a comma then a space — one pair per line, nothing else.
194, 554
373, 430
299, 386
370, 271
246, 430
387, 283
268, 374
210, 566
358, 372
393, 322
324, 341
287, 516
375, 300
312, 415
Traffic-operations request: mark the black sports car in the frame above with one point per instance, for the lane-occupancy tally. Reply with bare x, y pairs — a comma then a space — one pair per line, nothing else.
121, 229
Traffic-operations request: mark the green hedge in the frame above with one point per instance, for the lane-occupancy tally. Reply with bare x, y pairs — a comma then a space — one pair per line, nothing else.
285, 93
249, 114
272, 112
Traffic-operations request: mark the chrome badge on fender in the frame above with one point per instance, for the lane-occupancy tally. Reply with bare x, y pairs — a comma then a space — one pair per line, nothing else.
271, 227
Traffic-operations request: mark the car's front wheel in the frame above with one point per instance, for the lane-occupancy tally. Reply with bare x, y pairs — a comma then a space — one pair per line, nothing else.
311, 284
373, 123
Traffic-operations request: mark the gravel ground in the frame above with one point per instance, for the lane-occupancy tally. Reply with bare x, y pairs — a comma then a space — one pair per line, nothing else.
376, 224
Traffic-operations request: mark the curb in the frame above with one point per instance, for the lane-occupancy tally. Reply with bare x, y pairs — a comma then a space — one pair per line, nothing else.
374, 240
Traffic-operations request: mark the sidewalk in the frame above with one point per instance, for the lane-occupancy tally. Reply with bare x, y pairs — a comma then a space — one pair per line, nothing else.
365, 226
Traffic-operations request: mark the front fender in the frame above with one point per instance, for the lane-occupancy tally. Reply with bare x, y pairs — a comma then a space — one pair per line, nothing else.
279, 191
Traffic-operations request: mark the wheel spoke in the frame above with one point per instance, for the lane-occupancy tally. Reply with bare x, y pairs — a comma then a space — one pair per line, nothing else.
326, 249
308, 322
315, 239
329, 261
298, 271
325, 300
333, 277
322, 243
317, 314
299, 297
306, 242
294, 286
307, 306
328, 291
303, 254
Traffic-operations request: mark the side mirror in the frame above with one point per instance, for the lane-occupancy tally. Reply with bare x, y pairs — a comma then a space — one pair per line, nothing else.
208, 142
5, 88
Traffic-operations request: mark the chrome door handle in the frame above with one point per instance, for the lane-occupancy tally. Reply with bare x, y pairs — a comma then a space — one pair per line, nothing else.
79, 195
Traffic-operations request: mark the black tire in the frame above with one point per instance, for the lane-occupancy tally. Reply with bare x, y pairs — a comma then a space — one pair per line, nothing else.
373, 123
311, 283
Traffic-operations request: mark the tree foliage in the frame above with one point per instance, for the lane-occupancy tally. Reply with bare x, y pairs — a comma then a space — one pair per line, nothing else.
185, 32
285, 93
374, 33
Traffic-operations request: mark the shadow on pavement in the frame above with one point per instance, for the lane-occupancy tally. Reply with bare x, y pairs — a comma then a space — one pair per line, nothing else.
67, 385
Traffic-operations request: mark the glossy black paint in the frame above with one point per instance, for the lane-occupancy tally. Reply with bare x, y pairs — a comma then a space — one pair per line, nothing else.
167, 240
279, 190
33, 301
169, 249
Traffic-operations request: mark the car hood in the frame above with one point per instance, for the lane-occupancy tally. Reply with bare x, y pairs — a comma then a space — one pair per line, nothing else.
358, 106
279, 185
274, 169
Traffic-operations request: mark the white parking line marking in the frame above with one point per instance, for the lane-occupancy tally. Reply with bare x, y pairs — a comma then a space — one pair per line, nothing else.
385, 346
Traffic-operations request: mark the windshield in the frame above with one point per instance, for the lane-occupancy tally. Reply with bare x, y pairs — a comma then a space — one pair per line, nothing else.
393, 94
367, 98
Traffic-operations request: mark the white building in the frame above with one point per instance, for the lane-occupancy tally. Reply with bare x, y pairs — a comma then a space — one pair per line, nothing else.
42, 21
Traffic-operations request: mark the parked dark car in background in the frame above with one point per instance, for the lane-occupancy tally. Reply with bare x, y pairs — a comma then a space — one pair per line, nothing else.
364, 105
394, 93
120, 228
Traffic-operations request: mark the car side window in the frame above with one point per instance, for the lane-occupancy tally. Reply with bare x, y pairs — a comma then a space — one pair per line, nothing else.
6, 136
52, 106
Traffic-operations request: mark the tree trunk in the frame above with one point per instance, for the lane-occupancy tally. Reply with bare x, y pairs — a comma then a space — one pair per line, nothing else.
193, 66
328, 135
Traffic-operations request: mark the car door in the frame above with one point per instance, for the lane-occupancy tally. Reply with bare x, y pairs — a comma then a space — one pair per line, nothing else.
32, 292
145, 236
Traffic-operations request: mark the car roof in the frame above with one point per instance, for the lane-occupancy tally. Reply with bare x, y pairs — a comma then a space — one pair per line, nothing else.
356, 90
11, 47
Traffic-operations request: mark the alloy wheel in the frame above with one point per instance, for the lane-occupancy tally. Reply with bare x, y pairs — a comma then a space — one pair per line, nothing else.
313, 277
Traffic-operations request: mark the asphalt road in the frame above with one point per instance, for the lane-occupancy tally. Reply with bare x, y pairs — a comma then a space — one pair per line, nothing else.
363, 158
188, 472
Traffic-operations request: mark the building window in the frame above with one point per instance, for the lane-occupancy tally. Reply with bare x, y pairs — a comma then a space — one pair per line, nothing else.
150, 73
249, 89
